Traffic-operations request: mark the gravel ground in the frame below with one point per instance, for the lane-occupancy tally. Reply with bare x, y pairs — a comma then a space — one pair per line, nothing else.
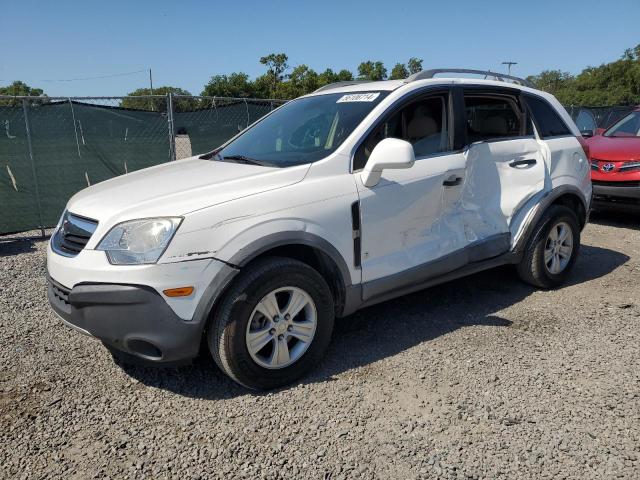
479, 378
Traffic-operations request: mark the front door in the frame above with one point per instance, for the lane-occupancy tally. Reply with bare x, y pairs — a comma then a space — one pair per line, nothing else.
409, 219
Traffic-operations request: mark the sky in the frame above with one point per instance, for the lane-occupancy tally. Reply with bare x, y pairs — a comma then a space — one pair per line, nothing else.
186, 42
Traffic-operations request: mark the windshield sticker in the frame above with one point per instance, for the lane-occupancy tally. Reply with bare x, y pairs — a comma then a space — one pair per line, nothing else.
359, 97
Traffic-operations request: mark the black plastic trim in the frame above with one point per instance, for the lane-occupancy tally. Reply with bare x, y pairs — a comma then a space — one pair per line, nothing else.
268, 242
119, 313
544, 203
487, 248
471, 268
355, 231
621, 190
123, 316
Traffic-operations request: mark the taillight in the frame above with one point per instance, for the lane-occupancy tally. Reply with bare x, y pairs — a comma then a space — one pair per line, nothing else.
584, 145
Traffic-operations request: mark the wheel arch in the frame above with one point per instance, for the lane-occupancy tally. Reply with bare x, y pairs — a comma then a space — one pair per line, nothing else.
308, 248
566, 195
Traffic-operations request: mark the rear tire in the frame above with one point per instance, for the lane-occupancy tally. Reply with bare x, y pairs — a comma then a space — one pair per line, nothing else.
552, 249
273, 325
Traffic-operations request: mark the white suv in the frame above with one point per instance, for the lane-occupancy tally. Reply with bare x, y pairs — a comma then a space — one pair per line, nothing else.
341, 199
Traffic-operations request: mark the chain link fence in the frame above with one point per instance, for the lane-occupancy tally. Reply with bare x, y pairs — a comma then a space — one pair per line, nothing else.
52, 147
602, 117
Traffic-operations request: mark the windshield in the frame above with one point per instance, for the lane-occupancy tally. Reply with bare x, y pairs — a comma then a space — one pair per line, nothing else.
629, 126
302, 131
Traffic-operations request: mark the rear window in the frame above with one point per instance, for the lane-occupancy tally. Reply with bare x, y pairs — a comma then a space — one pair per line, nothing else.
547, 120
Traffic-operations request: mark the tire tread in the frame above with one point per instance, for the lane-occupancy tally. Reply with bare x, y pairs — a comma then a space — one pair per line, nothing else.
217, 335
531, 268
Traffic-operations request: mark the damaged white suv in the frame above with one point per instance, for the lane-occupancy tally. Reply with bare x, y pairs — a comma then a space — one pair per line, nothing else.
350, 196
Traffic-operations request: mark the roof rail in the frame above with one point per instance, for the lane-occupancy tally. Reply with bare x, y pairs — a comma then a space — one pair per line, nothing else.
341, 84
425, 74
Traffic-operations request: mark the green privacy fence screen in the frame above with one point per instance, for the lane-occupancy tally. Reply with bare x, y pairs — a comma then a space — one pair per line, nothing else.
50, 148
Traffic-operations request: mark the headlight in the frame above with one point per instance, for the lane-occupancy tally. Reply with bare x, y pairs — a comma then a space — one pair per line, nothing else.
139, 241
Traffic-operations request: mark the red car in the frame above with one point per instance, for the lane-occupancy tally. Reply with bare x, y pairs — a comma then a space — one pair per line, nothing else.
615, 162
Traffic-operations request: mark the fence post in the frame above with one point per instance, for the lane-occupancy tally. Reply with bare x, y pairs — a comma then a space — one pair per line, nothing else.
172, 130
246, 105
75, 127
33, 164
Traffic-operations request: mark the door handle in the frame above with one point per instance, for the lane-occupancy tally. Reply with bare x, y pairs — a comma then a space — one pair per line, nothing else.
520, 163
452, 181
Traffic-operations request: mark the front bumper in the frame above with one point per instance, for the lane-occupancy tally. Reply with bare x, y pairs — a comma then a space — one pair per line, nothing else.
125, 308
131, 318
629, 190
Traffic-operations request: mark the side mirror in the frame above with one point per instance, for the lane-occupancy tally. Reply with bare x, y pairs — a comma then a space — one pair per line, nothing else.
390, 153
587, 133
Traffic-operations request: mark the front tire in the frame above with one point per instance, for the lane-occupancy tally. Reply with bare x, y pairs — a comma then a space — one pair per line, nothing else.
552, 249
273, 325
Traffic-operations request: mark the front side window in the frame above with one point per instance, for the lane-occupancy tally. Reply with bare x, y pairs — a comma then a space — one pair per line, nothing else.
423, 123
302, 131
629, 126
492, 117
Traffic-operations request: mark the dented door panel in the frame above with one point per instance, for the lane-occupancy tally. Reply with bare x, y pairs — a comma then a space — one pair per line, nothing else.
410, 217
501, 177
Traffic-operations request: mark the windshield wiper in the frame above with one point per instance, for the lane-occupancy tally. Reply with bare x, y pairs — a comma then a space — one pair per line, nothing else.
245, 160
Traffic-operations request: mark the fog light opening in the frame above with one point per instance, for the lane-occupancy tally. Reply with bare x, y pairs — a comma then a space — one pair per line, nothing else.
144, 349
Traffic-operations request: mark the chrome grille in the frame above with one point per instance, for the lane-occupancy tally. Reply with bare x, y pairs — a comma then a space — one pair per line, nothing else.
625, 167
73, 234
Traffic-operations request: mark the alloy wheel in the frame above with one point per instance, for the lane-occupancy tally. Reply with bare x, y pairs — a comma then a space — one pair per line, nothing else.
281, 327
558, 248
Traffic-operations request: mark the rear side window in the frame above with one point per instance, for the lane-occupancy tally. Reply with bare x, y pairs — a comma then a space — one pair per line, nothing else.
547, 120
492, 117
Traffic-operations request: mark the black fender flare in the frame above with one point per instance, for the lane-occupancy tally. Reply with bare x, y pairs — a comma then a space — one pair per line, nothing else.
279, 239
544, 204
246, 254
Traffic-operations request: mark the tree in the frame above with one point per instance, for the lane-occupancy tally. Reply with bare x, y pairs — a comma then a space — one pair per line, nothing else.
235, 85
614, 83
345, 76
329, 76
158, 104
276, 64
302, 80
551, 80
415, 65
372, 71
399, 71
19, 88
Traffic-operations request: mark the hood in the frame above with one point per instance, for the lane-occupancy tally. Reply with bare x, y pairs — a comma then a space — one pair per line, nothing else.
179, 187
616, 149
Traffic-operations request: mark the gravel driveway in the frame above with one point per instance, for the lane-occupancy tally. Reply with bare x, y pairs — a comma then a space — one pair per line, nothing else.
479, 378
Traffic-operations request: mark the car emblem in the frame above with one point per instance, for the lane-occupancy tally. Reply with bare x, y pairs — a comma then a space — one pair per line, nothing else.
608, 167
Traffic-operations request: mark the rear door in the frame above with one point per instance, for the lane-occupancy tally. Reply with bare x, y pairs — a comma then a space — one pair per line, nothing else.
505, 166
